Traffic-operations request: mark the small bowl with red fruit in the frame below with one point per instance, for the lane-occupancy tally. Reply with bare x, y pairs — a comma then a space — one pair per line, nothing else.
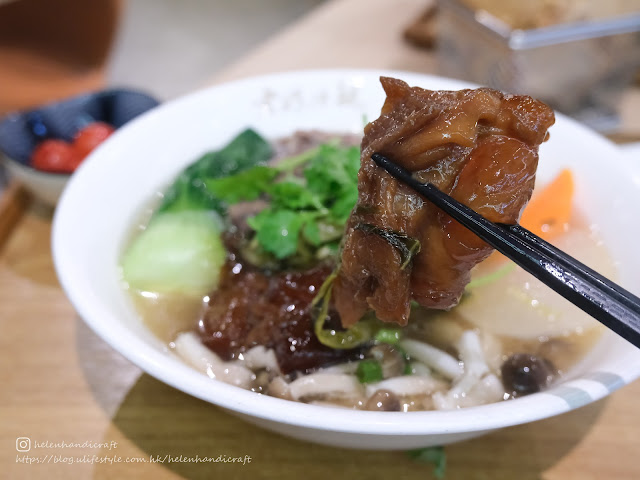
43, 147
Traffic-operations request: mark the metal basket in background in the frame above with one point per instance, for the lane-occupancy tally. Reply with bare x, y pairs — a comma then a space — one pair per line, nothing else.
580, 68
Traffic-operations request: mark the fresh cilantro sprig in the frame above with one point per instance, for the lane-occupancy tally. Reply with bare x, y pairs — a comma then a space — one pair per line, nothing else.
310, 197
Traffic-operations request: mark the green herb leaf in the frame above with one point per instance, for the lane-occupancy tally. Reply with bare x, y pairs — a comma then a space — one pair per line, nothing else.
332, 171
277, 230
290, 194
244, 186
311, 209
369, 371
190, 192
311, 233
343, 205
435, 455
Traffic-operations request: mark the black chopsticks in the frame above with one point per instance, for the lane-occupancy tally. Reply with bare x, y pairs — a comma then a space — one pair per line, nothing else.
607, 302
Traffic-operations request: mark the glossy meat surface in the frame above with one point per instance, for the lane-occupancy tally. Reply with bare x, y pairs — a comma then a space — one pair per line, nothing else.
479, 146
252, 307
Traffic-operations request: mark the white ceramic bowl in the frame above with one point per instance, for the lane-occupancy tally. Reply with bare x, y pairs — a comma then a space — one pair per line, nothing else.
97, 210
46, 186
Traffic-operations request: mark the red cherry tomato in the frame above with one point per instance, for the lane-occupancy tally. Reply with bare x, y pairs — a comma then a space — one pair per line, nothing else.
55, 156
90, 137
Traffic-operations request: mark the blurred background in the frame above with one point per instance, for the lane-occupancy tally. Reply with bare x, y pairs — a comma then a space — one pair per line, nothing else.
580, 56
53, 49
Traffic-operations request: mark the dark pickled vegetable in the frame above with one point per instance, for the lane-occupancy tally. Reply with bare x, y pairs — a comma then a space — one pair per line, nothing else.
479, 146
523, 374
252, 307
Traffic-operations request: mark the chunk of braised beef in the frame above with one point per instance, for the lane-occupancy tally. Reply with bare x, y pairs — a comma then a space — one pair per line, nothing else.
479, 146
252, 307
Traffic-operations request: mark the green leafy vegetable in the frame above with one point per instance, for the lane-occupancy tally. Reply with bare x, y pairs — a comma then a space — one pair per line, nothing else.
190, 190
369, 371
179, 252
310, 198
435, 455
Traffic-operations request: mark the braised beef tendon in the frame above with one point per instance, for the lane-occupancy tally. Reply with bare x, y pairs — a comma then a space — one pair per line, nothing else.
479, 146
252, 307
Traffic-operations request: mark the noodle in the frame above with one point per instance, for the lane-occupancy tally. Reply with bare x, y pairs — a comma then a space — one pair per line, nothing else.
440, 361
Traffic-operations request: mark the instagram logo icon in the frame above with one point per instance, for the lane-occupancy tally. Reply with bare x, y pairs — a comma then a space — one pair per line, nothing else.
23, 444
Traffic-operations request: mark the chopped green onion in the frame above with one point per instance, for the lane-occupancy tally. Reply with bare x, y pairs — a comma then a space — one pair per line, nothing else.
388, 335
435, 455
355, 335
369, 371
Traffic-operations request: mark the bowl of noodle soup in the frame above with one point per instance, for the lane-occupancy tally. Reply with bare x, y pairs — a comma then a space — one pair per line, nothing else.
111, 192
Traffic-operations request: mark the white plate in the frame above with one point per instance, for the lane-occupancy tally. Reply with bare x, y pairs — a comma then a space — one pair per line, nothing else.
98, 208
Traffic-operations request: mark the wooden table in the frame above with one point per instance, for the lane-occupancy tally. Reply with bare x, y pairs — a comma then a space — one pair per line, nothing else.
60, 383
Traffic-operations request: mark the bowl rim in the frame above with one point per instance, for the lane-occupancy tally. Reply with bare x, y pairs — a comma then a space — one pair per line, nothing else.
154, 362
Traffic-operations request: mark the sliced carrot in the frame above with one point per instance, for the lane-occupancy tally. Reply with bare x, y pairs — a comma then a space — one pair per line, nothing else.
548, 212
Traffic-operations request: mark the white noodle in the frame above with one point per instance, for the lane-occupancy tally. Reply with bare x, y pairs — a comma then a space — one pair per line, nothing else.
488, 390
279, 388
492, 348
407, 385
440, 361
348, 367
475, 367
189, 347
472, 354
418, 368
260, 357
442, 402
316, 384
